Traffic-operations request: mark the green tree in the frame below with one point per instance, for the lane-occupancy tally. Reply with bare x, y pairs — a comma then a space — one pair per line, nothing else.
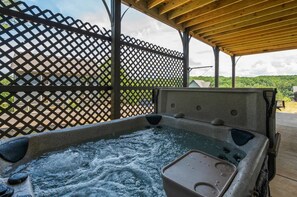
283, 84
6, 25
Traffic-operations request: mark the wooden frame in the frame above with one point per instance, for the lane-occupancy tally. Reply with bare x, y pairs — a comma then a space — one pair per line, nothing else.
234, 26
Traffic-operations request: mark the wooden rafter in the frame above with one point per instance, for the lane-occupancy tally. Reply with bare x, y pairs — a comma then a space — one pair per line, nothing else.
270, 48
222, 11
215, 5
265, 50
170, 5
142, 5
153, 3
190, 6
254, 45
265, 26
247, 36
258, 39
248, 13
269, 19
237, 27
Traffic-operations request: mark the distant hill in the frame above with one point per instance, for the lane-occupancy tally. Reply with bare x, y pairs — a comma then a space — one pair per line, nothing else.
284, 84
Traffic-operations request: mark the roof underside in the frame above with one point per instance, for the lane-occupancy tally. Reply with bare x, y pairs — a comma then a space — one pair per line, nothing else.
237, 27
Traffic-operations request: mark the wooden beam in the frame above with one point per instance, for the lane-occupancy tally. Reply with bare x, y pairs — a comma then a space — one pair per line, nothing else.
250, 13
201, 39
259, 41
265, 49
227, 51
257, 51
195, 4
200, 11
173, 4
142, 7
268, 43
263, 44
283, 35
221, 12
277, 30
210, 43
154, 3
266, 26
268, 19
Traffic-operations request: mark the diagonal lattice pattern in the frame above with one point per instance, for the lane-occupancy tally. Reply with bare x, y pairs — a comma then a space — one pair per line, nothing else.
39, 54
52, 75
135, 102
55, 71
24, 113
146, 66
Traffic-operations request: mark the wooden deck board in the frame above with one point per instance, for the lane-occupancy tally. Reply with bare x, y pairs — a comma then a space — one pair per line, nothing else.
283, 187
285, 182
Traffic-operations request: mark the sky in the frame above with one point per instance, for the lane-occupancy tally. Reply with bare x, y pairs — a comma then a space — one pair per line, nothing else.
150, 30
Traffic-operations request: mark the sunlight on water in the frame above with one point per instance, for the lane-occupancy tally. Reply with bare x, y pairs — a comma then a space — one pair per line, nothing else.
128, 165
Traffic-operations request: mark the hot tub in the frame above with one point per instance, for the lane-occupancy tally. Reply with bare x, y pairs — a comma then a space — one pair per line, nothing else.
232, 125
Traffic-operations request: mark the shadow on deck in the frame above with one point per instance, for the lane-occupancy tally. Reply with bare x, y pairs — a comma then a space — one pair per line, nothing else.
285, 182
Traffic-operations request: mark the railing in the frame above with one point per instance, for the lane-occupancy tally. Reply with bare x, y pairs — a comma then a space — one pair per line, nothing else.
55, 71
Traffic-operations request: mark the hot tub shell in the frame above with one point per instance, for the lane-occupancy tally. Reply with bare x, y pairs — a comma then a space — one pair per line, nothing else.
246, 110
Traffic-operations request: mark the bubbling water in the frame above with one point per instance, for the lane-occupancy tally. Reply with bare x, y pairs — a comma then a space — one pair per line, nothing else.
128, 165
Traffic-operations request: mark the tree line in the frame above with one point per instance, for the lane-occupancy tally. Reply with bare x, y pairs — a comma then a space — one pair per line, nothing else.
284, 84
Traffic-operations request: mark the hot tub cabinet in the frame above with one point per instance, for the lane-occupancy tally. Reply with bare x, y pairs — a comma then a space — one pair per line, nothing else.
244, 118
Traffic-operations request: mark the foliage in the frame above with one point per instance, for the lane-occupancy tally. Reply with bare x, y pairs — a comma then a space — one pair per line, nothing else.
284, 84
5, 25
7, 97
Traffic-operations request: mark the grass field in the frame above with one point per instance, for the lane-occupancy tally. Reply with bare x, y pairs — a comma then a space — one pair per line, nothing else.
290, 107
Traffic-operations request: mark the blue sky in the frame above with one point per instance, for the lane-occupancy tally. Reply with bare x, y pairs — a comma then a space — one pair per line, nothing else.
146, 28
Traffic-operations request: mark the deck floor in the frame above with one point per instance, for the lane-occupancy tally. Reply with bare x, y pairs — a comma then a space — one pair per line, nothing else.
285, 182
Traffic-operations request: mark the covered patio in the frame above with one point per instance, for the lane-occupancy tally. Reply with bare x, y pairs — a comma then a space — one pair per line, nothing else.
129, 69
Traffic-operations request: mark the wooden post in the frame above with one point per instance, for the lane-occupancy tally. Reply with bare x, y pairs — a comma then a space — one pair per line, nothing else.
115, 58
233, 70
216, 52
186, 42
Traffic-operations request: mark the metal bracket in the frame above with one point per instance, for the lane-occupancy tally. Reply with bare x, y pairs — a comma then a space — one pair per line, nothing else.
198, 67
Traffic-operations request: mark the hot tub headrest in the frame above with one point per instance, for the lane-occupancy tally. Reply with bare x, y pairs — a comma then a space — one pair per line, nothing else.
241, 137
14, 150
153, 119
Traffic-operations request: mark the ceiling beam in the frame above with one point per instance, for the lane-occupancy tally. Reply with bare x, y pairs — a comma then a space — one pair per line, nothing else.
277, 30
247, 14
291, 39
173, 4
200, 11
236, 27
221, 12
195, 4
142, 7
251, 23
263, 37
266, 26
264, 46
253, 51
266, 49
154, 3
